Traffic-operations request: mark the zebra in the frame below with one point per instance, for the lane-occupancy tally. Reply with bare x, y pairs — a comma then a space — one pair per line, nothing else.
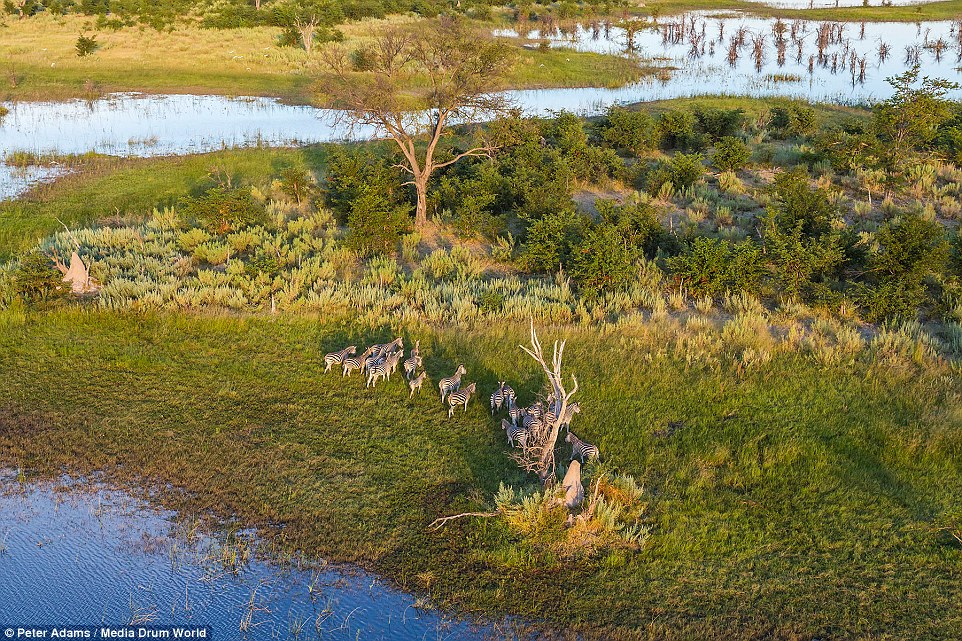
352, 363
384, 349
452, 383
336, 358
516, 435
373, 359
501, 396
416, 383
412, 364
581, 450
392, 361
460, 397
383, 368
515, 413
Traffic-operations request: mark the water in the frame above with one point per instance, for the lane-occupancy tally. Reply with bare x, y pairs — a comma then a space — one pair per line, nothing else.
828, 4
700, 58
140, 125
98, 557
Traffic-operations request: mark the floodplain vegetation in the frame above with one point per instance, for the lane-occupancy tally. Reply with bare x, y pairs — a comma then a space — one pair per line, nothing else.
770, 256
760, 299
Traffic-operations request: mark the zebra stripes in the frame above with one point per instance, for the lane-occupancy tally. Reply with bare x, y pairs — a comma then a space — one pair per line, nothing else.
451, 383
504, 395
460, 397
352, 363
336, 358
517, 436
581, 450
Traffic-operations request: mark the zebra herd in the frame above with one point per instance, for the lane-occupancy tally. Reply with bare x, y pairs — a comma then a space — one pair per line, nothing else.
379, 362
530, 427
526, 427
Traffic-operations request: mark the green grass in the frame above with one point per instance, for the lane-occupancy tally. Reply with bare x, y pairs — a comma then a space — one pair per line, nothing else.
104, 187
797, 501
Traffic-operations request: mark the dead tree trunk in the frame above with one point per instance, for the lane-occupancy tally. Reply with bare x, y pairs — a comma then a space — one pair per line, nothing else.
540, 459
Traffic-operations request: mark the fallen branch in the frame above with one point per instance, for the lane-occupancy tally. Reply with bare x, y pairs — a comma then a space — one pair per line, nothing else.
437, 524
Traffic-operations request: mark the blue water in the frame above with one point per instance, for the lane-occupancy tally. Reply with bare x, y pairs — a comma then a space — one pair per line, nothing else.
71, 556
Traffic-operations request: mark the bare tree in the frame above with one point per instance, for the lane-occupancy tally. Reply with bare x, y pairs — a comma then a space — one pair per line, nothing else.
539, 457
309, 18
414, 85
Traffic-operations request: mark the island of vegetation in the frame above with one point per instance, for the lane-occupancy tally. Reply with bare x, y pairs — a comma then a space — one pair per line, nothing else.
685, 369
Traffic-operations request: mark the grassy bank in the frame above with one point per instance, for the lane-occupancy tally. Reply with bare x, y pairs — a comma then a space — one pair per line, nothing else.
38, 61
795, 500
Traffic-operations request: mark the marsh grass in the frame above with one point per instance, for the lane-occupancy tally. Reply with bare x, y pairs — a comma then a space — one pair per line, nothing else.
782, 469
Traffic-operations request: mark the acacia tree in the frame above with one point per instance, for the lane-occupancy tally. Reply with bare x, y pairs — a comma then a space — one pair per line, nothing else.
415, 85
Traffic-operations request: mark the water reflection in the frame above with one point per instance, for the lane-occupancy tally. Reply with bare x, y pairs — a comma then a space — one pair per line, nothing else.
98, 557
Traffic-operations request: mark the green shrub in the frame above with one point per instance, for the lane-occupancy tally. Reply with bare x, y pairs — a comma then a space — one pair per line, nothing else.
681, 171
634, 131
731, 154
793, 121
376, 223
86, 45
720, 123
601, 261
550, 240
677, 130
37, 281
222, 210
711, 266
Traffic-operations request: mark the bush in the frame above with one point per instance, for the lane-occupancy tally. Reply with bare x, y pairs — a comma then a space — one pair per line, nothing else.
222, 210
634, 131
793, 121
550, 240
376, 223
86, 45
37, 281
731, 154
710, 266
681, 171
602, 261
720, 123
677, 130
350, 171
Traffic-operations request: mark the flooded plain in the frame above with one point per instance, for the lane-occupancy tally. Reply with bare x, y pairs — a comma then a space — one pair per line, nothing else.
700, 53
90, 556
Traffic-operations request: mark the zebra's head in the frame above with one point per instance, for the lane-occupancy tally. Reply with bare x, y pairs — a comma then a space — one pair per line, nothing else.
351, 350
461, 371
470, 388
398, 342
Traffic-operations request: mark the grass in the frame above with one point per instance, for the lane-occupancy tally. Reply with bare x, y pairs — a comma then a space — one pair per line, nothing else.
794, 500
103, 187
38, 61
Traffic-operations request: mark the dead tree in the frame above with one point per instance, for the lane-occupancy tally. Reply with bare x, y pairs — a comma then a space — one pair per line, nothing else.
539, 457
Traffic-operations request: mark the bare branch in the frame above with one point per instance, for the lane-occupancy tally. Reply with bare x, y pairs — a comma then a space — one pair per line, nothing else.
438, 523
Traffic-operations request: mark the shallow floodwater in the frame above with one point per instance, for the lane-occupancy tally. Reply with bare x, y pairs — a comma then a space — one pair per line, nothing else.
734, 54
98, 557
